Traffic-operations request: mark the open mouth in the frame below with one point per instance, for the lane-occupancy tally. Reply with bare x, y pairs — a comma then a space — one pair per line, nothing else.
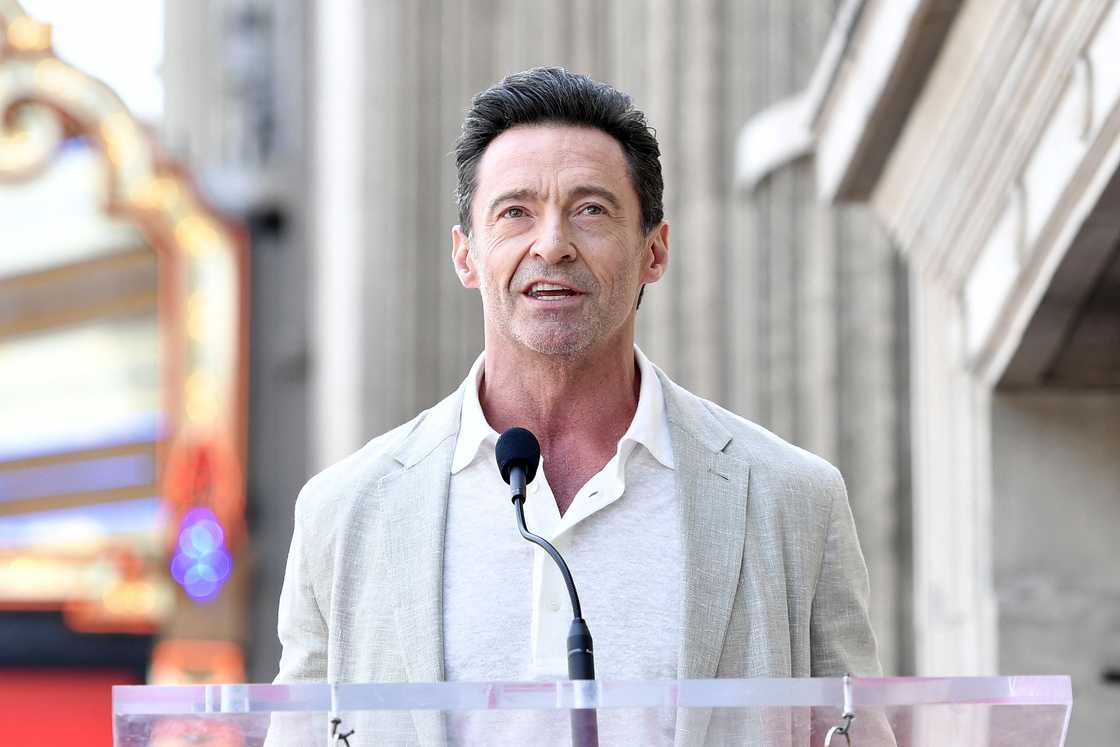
550, 292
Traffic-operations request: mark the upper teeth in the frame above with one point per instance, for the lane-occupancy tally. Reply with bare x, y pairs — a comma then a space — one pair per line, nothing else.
538, 287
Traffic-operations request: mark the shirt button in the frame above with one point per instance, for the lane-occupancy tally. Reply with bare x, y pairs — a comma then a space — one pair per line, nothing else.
554, 605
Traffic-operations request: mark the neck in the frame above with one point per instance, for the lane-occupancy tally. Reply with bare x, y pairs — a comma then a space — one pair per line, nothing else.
590, 397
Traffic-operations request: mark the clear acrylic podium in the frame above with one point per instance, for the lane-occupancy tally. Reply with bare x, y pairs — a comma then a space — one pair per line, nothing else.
962, 712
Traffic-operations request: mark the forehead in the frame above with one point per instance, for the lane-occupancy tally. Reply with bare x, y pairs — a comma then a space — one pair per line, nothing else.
543, 156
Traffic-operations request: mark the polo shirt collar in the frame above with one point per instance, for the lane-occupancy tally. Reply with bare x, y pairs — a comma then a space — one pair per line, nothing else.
650, 426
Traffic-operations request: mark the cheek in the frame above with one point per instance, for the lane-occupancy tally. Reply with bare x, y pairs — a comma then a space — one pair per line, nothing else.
613, 259
500, 261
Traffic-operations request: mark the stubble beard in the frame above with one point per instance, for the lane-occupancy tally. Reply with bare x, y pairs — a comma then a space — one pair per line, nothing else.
561, 336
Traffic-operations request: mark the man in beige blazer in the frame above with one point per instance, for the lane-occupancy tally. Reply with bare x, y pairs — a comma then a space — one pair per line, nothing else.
774, 582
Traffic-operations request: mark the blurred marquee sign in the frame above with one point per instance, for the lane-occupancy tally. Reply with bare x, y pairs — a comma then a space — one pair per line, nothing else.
191, 465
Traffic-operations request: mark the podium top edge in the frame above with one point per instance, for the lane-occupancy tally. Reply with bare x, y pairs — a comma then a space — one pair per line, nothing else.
728, 693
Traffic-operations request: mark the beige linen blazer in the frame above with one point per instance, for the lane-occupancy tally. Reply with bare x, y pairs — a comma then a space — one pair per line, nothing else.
775, 582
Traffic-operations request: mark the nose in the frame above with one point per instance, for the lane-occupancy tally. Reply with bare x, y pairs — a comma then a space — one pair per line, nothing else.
554, 245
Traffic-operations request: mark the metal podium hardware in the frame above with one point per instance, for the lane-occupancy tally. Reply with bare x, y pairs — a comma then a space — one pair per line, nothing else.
338, 737
849, 715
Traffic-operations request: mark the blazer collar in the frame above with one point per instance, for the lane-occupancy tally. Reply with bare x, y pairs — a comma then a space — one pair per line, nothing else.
689, 413
432, 429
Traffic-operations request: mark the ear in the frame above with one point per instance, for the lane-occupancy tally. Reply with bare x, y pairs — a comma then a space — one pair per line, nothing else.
461, 258
656, 254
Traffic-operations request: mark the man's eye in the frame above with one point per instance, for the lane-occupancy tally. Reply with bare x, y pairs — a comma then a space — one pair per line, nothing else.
513, 212
593, 210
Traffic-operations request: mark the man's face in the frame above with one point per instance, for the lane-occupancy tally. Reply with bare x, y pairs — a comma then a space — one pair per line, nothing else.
557, 248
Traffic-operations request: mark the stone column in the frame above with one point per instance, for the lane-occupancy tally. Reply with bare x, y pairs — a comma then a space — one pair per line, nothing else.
820, 349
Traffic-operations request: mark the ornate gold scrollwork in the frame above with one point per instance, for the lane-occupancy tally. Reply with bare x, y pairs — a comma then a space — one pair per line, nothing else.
202, 259
30, 131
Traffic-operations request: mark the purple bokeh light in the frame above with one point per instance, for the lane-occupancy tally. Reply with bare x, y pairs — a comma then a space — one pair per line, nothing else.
201, 563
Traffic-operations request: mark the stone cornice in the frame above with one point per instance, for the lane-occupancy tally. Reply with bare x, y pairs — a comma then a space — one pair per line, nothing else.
968, 141
784, 132
1000, 160
941, 167
890, 46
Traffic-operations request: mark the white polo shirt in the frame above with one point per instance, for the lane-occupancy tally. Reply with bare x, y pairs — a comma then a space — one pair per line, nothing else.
506, 611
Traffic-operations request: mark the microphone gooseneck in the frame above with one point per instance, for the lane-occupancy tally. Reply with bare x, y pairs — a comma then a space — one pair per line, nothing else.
518, 453
519, 507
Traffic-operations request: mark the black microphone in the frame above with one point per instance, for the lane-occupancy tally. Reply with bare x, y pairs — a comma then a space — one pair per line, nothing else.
518, 453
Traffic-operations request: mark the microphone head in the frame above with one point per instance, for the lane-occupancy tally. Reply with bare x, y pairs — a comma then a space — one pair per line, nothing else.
518, 447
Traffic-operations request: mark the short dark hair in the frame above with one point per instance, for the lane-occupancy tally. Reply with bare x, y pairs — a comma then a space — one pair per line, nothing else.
548, 95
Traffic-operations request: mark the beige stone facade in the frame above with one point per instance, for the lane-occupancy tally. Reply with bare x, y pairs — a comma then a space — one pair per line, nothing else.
986, 138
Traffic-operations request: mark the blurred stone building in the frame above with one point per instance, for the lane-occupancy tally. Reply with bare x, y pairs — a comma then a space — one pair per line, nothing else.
985, 136
865, 257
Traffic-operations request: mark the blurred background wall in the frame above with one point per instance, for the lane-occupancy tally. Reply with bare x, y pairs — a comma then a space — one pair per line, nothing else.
781, 308
892, 243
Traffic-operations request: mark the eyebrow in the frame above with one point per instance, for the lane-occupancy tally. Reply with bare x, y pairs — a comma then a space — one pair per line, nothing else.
513, 194
576, 193
605, 194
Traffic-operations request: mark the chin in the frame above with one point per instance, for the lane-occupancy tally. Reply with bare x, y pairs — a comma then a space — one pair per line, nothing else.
561, 340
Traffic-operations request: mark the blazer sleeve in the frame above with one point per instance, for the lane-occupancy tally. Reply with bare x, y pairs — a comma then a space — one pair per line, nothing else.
301, 624
840, 636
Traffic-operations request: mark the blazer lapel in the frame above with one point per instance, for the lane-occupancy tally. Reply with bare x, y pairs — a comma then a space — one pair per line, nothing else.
415, 501
713, 491
416, 533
